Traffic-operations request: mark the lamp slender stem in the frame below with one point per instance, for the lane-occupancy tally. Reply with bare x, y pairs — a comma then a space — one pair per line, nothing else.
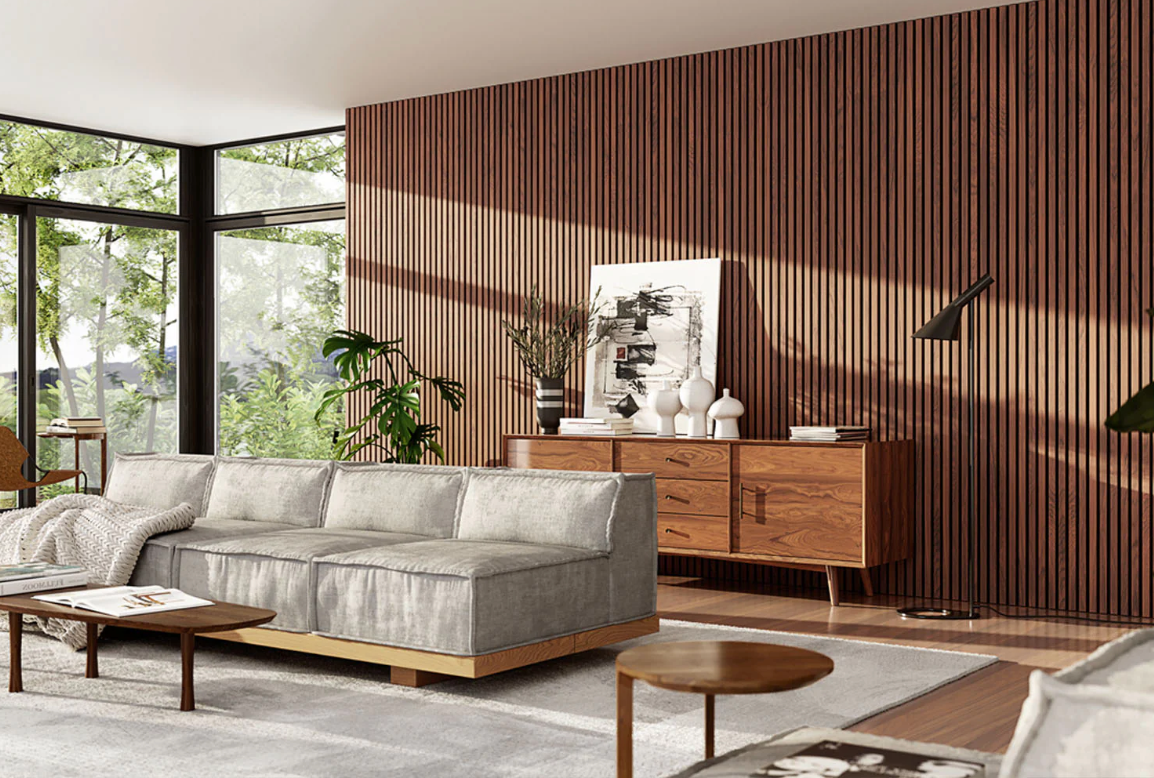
971, 503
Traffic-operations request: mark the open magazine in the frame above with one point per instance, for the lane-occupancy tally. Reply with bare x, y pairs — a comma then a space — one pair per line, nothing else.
121, 601
831, 759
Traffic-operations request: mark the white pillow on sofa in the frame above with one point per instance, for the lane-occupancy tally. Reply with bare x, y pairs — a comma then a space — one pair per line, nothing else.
417, 499
1079, 731
285, 491
161, 480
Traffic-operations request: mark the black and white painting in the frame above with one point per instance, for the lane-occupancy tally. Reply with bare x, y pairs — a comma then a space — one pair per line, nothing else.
660, 321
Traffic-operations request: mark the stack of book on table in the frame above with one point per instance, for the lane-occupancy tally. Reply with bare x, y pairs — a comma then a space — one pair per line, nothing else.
75, 425
38, 577
829, 433
608, 425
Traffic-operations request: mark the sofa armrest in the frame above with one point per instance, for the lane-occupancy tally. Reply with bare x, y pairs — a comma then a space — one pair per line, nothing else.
633, 558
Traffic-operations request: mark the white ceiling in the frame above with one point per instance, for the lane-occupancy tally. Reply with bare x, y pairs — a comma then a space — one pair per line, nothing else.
211, 71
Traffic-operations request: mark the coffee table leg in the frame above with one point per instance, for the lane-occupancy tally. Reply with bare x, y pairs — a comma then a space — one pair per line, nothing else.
15, 636
709, 726
187, 644
92, 670
624, 726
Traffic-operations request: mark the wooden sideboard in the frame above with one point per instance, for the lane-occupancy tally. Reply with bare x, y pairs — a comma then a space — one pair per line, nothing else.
813, 506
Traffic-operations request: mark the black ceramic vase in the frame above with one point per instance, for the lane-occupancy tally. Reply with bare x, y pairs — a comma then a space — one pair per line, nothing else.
550, 403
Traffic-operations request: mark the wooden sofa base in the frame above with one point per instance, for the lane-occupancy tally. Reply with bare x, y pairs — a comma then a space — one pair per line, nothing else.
410, 667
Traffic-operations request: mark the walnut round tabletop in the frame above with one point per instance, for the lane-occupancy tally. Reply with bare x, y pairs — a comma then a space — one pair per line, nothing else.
709, 667
724, 667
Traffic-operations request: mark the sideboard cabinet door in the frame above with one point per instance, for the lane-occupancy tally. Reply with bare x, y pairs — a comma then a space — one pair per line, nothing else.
799, 502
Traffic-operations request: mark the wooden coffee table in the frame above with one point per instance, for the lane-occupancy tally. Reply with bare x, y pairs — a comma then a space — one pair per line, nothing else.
709, 668
188, 623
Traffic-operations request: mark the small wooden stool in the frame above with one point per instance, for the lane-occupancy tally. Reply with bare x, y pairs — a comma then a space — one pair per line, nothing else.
709, 668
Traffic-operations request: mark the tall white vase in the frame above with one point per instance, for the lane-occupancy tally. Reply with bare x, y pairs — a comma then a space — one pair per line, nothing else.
666, 404
697, 395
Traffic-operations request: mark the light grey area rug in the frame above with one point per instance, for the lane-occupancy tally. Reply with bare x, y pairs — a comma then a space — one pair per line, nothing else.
272, 713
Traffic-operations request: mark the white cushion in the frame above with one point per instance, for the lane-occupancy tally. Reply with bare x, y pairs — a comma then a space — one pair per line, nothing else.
540, 506
1079, 731
160, 480
418, 499
285, 491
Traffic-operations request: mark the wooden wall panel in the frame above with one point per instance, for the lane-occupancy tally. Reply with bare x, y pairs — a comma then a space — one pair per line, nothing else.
853, 182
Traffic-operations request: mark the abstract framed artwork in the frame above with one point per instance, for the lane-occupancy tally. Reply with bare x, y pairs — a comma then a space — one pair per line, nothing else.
660, 321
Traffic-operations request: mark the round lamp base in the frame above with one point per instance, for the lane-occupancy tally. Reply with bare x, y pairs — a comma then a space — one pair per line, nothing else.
945, 614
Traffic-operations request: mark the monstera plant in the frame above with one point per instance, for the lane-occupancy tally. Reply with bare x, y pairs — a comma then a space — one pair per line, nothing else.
393, 384
1137, 413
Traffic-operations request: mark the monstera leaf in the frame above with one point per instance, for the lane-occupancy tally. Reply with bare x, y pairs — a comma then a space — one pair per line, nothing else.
1137, 413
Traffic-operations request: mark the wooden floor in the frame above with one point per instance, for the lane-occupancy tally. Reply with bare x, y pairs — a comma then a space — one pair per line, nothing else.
978, 711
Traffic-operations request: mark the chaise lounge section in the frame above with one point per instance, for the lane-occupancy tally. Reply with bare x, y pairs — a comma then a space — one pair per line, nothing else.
435, 571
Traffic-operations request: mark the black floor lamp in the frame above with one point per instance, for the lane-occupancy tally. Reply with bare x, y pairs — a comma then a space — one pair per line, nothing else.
947, 325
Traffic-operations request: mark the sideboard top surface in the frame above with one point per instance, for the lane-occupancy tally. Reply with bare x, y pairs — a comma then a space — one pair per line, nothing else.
718, 441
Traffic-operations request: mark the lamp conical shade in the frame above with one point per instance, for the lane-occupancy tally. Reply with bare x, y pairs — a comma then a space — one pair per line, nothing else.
947, 325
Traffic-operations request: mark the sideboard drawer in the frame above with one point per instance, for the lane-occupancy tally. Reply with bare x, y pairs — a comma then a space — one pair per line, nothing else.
701, 498
560, 454
701, 461
708, 533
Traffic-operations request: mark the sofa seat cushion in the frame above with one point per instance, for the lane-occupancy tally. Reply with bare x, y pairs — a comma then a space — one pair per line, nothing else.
421, 499
161, 480
461, 597
158, 559
287, 491
271, 570
541, 507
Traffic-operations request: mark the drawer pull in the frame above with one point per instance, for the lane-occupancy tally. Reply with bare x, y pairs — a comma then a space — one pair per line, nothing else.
668, 530
670, 459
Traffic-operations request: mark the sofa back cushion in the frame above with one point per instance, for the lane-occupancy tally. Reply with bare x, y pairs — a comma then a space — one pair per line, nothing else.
540, 506
284, 491
418, 499
161, 480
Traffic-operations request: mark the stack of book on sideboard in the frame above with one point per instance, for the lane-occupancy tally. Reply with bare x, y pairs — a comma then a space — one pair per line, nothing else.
829, 434
615, 424
76, 425
29, 577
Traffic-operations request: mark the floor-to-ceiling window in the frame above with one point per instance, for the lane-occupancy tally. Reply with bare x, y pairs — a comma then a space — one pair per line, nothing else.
90, 235
280, 251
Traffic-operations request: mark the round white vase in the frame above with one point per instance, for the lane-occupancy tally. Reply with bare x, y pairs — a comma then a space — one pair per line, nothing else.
725, 413
666, 403
697, 395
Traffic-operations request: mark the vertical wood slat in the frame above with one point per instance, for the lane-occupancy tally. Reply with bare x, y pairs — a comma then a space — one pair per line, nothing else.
853, 182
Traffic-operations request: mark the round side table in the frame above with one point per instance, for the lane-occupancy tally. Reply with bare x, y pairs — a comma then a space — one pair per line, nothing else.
709, 668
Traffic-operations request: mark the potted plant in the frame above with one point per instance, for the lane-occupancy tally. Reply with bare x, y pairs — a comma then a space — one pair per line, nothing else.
393, 421
548, 346
1137, 413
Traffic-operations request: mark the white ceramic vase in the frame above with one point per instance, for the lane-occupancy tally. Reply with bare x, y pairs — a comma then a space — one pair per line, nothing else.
666, 403
697, 395
725, 413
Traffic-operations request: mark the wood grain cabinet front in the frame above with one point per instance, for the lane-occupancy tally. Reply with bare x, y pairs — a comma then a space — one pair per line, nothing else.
813, 506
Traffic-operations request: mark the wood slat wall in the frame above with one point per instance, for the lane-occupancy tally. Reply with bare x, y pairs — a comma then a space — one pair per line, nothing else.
853, 182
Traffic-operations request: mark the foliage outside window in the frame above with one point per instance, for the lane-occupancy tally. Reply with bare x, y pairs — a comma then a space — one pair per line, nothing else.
90, 169
8, 345
280, 294
283, 174
106, 333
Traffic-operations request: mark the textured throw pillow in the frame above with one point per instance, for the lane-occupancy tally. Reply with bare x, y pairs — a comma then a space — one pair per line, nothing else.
285, 491
1072, 731
540, 506
160, 480
418, 499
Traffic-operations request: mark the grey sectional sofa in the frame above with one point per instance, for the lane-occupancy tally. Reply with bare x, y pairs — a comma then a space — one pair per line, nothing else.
432, 570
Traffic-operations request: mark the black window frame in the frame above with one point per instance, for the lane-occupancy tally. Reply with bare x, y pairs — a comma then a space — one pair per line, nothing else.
214, 223
196, 224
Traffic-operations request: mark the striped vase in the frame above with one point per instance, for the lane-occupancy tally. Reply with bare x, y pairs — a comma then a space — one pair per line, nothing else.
550, 403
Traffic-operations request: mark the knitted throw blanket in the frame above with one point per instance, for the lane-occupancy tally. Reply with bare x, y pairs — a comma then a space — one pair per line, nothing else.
102, 536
